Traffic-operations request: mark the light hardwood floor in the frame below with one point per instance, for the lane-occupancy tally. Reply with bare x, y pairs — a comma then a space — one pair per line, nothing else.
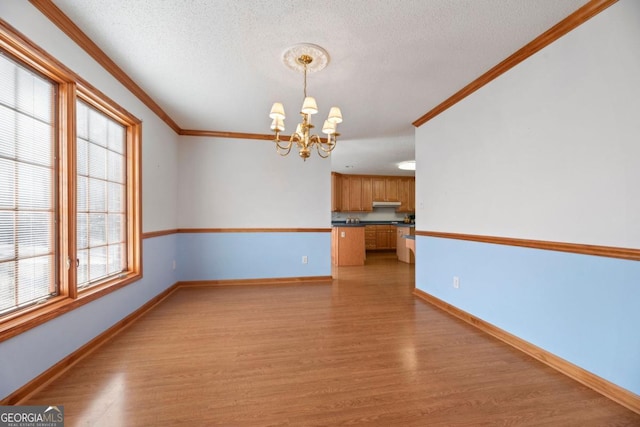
359, 351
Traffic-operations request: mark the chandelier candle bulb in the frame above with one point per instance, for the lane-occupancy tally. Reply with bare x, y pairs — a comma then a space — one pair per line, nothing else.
277, 124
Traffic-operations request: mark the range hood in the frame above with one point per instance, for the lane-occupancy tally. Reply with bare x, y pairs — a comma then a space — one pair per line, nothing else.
381, 204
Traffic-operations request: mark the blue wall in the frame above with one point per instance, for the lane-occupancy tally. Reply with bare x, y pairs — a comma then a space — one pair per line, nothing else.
227, 256
581, 308
25, 356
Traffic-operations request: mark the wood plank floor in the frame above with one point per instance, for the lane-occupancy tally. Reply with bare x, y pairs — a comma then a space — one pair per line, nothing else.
359, 351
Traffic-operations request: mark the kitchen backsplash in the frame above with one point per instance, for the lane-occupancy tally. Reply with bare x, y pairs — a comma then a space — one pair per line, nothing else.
378, 214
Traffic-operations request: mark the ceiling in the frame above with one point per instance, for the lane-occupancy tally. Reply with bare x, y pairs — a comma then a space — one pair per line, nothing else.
216, 65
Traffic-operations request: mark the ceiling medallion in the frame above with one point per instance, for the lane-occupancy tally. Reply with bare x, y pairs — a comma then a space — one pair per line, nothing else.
291, 57
306, 58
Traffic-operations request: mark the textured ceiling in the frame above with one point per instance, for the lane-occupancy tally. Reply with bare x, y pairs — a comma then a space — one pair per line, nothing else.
216, 64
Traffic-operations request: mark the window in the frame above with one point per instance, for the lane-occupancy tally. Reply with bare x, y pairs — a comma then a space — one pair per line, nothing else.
28, 270
101, 196
69, 189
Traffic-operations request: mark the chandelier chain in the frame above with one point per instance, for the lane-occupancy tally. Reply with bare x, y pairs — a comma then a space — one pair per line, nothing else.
305, 80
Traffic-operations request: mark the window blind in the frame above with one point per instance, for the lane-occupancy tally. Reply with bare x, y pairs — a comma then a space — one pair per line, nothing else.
101, 196
28, 270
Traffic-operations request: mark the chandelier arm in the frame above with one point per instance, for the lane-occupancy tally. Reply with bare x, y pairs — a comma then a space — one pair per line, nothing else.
314, 139
283, 151
320, 151
297, 139
330, 144
286, 146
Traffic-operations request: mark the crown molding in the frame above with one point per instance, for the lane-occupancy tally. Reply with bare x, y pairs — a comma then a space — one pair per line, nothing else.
577, 18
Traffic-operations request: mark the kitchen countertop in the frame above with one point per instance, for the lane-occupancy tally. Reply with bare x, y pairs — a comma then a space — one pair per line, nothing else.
363, 223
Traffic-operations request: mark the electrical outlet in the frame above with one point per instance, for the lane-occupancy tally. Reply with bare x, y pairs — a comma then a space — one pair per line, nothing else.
304, 259
456, 282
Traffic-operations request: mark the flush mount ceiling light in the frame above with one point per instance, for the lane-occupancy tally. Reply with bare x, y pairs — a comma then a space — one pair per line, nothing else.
306, 58
407, 165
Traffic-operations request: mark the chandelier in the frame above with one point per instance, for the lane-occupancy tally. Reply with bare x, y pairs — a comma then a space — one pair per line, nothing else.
306, 58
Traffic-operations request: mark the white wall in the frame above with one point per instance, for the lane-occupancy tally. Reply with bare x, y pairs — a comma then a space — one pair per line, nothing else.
235, 183
547, 151
23, 357
159, 142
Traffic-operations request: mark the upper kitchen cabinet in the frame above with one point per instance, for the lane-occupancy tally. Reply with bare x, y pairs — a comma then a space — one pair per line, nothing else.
379, 189
367, 193
336, 192
391, 189
350, 193
412, 195
356, 193
385, 188
406, 194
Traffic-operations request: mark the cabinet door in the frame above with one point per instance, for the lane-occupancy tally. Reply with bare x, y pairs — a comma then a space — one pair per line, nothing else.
379, 190
350, 248
399, 243
382, 239
355, 193
367, 194
336, 193
370, 239
403, 195
412, 195
385, 237
391, 189
345, 199
392, 238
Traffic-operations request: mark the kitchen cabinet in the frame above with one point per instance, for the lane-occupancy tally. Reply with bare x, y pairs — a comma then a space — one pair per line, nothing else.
353, 193
383, 239
412, 195
403, 195
336, 192
385, 189
403, 252
379, 190
345, 202
391, 189
356, 193
370, 237
347, 246
367, 194
380, 237
407, 195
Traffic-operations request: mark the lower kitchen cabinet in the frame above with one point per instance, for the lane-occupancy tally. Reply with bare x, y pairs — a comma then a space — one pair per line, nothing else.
403, 252
380, 237
370, 237
347, 246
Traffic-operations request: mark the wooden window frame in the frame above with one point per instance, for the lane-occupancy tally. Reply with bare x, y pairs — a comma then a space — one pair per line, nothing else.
70, 87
